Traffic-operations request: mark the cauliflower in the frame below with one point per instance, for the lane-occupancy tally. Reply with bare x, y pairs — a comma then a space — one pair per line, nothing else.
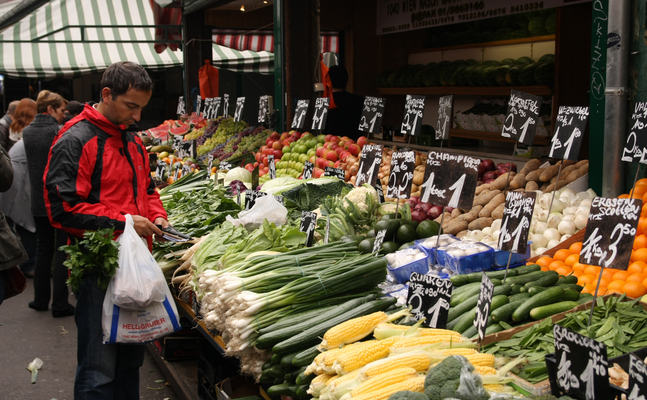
445, 381
364, 197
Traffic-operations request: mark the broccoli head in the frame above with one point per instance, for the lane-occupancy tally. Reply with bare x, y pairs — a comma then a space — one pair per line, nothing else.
408, 395
443, 379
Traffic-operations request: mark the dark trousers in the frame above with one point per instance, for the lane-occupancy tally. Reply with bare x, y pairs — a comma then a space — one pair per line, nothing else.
49, 240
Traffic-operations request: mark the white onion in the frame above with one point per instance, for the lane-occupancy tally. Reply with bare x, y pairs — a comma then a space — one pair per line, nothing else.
539, 226
540, 251
580, 221
591, 193
472, 251
495, 235
487, 231
552, 234
567, 196
538, 241
569, 210
554, 219
552, 244
583, 196
570, 217
566, 227
585, 203
565, 237
544, 201
566, 191
476, 235
390, 258
557, 206
542, 215
496, 225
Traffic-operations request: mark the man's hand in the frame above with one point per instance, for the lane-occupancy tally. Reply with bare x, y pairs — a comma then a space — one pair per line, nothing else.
164, 223
144, 227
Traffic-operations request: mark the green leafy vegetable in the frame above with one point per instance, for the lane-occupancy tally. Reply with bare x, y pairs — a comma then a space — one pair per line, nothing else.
309, 195
97, 253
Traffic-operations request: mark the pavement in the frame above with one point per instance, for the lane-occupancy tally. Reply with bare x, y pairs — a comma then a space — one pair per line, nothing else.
26, 334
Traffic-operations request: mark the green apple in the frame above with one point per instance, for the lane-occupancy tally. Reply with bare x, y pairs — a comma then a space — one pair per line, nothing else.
311, 152
321, 138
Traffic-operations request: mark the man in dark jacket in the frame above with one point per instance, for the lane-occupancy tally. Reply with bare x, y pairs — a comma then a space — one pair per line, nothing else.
5, 123
344, 119
96, 174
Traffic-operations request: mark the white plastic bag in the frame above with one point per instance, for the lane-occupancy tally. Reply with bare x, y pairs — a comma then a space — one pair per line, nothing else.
266, 207
121, 325
138, 281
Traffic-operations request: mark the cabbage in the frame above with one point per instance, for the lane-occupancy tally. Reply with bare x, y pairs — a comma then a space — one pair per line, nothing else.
238, 174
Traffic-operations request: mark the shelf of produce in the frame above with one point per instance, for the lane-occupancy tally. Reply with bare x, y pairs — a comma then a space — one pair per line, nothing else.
535, 39
466, 90
494, 136
578, 237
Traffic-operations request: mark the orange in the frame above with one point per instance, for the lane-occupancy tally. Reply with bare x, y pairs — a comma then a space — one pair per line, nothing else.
637, 266
572, 259
609, 291
592, 270
623, 196
608, 274
601, 291
639, 255
560, 255
635, 289
639, 230
543, 261
645, 283
644, 198
584, 279
621, 276
643, 225
556, 264
545, 269
616, 285
579, 267
640, 242
564, 271
604, 282
638, 191
642, 181
643, 212
576, 247
637, 277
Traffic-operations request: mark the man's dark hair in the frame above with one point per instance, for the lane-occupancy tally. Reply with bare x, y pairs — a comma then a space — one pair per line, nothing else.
75, 108
338, 76
124, 75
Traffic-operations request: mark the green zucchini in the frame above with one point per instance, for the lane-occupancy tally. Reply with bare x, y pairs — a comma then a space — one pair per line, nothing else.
275, 359
526, 269
303, 379
452, 324
531, 277
548, 296
547, 280
518, 296
310, 337
286, 360
459, 280
567, 280
269, 339
515, 289
585, 298
571, 295
275, 372
573, 286
504, 313
305, 357
533, 290
501, 274
542, 312
465, 287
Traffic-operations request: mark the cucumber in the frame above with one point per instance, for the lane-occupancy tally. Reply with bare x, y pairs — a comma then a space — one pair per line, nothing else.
494, 328
503, 289
302, 378
459, 298
526, 269
275, 359
542, 312
547, 280
573, 286
302, 391
493, 275
298, 325
504, 313
452, 324
472, 329
516, 289
523, 289
531, 277
462, 308
468, 318
567, 280
266, 366
310, 337
571, 295
533, 290
518, 296
496, 282
459, 280
465, 287
548, 296
275, 372
501, 274
305, 357
286, 360
292, 375
585, 298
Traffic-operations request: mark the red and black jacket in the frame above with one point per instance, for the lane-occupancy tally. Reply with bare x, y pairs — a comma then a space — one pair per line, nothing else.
96, 174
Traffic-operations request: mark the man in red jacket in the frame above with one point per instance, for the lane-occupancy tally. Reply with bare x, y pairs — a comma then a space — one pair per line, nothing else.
96, 174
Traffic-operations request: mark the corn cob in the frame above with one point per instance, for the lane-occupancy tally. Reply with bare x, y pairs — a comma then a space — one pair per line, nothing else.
385, 379
318, 383
329, 361
413, 384
420, 341
481, 359
384, 330
458, 351
485, 370
344, 378
416, 360
359, 356
352, 330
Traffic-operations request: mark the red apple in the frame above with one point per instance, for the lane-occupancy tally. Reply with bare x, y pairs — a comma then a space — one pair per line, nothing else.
256, 164
330, 164
362, 141
264, 161
335, 139
261, 172
344, 154
268, 150
275, 135
318, 172
249, 165
284, 136
320, 151
354, 149
337, 163
334, 146
269, 141
277, 145
332, 156
278, 154
328, 138
313, 159
321, 162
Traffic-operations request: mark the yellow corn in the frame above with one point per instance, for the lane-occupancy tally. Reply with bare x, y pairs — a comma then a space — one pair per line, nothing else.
497, 388
385, 379
459, 351
485, 370
416, 384
358, 356
344, 378
417, 361
457, 337
481, 360
420, 341
352, 330
318, 383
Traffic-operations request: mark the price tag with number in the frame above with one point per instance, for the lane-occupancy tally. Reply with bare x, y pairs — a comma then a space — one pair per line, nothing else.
198, 104
255, 178
372, 114
429, 297
186, 169
379, 239
610, 232
637, 378
338, 172
308, 225
208, 107
238, 113
299, 120
176, 172
522, 117
264, 108
279, 198
184, 149
181, 109
517, 214
225, 105
321, 113
225, 166
636, 147
272, 166
251, 196
445, 106
160, 170
380, 192
308, 168
216, 106
581, 365
401, 176
569, 132
369, 164
414, 108
209, 166
483, 305
450, 180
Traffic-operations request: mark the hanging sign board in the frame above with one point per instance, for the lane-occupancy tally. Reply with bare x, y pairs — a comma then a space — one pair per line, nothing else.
184, 148
181, 109
338, 172
483, 305
176, 172
401, 176
581, 365
429, 297
569, 128
522, 117
515, 226
445, 109
369, 164
636, 147
372, 114
265, 108
216, 106
610, 232
299, 120
308, 167
225, 105
321, 113
414, 108
450, 180
238, 114
272, 166
308, 225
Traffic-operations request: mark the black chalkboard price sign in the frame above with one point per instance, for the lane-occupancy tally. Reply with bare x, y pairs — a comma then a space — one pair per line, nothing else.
569, 128
308, 225
379, 239
636, 146
264, 108
299, 120
272, 166
517, 214
184, 148
251, 196
160, 170
181, 109
321, 113
380, 192
209, 166
216, 106
450, 180
369, 164
429, 297
198, 106
445, 107
176, 172
522, 117
208, 108
372, 114
186, 169
581, 365
414, 109
238, 113
610, 232
637, 378
225, 105
401, 176
483, 305
308, 168
338, 172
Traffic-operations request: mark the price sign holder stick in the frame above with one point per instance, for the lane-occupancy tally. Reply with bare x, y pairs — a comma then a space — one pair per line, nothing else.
559, 171
507, 179
442, 218
631, 192
397, 207
597, 287
505, 276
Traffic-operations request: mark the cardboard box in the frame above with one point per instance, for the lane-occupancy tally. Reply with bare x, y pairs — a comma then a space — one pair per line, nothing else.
238, 387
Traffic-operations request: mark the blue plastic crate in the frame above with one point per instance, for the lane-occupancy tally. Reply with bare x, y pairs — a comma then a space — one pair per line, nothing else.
465, 265
403, 273
501, 257
431, 250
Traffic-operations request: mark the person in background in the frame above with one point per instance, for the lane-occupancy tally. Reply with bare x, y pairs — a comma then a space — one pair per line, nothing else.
5, 121
14, 203
96, 174
38, 138
344, 119
73, 109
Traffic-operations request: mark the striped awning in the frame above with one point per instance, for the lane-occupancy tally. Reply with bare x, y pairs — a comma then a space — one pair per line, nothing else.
264, 40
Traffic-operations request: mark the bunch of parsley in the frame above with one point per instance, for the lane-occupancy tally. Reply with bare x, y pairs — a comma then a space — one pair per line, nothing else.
97, 253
